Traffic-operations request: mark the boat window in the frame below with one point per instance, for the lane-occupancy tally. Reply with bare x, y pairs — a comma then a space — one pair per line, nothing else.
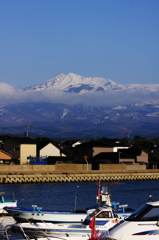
94, 213
135, 216
152, 215
145, 213
104, 214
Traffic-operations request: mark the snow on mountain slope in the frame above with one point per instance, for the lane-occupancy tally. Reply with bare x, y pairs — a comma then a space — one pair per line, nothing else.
149, 87
78, 84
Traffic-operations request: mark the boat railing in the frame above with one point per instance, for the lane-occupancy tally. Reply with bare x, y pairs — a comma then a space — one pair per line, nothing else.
8, 193
21, 230
7, 197
9, 228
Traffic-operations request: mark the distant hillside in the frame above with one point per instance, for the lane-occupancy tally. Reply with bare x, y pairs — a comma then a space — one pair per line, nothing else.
73, 106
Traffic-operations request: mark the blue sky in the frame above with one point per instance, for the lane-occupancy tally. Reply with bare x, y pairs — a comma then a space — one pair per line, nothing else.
115, 39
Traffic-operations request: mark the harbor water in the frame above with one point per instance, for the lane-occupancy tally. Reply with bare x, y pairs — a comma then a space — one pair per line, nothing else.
77, 195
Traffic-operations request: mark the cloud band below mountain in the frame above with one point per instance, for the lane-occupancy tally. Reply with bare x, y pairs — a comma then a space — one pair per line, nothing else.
111, 98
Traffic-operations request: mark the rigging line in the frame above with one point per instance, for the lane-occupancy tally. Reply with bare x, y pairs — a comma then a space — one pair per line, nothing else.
47, 130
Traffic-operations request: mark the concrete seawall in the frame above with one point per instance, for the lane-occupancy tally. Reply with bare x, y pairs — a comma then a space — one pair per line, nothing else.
69, 169
39, 178
74, 173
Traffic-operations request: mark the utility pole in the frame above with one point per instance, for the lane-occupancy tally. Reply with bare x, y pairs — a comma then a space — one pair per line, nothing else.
128, 135
27, 130
95, 135
85, 158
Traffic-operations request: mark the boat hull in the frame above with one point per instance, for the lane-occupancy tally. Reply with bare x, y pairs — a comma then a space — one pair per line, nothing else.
134, 231
63, 230
20, 214
33, 234
143, 224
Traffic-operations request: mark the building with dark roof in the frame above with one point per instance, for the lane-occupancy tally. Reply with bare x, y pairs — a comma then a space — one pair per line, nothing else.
93, 148
20, 147
133, 156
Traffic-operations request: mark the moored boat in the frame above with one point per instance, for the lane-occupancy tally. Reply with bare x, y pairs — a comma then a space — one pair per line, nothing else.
37, 214
143, 224
95, 235
50, 216
7, 199
105, 218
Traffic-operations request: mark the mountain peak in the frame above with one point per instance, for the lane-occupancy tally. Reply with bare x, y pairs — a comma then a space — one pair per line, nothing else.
75, 83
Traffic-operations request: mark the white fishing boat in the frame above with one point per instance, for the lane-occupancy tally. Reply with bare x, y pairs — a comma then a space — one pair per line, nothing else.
39, 214
55, 216
7, 199
95, 235
104, 220
143, 224
105, 217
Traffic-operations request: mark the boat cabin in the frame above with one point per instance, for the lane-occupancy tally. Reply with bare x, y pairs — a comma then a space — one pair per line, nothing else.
100, 213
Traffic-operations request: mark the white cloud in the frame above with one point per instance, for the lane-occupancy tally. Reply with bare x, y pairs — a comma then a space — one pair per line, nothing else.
112, 98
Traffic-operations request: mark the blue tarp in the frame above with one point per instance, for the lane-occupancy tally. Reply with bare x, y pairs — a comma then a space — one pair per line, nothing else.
38, 162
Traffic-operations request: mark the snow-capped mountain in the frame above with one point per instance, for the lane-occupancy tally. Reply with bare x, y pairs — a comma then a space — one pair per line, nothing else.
78, 84
140, 117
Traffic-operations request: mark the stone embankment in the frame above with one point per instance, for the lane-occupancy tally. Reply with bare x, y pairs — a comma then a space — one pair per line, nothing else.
44, 178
